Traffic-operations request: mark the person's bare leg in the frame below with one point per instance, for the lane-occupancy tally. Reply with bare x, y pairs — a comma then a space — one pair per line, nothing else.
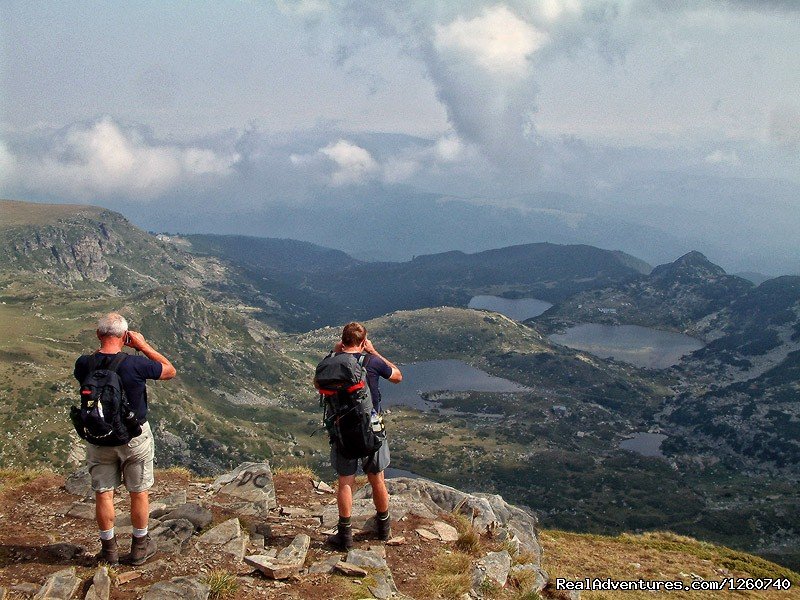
380, 496
344, 494
140, 509
343, 538
104, 513
104, 509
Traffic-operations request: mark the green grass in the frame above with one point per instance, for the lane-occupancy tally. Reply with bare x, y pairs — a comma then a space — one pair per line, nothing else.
222, 584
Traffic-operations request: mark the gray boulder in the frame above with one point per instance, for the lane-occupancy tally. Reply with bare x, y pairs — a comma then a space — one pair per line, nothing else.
251, 483
384, 586
171, 536
199, 517
101, 585
492, 569
61, 585
173, 501
488, 512
178, 588
79, 483
222, 533
286, 563
82, 510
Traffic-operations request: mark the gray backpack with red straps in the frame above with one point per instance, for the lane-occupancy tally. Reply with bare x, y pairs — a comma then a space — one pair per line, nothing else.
347, 404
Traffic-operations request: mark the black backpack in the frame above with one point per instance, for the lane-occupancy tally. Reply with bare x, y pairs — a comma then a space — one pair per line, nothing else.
104, 418
347, 404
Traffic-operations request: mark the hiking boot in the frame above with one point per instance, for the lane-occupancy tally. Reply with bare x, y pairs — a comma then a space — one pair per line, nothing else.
142, 548
342, 539
383, 528
109, 552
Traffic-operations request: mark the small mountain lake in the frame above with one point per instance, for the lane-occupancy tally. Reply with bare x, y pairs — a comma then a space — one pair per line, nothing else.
435, 375
646, 444
518, 309
640, 346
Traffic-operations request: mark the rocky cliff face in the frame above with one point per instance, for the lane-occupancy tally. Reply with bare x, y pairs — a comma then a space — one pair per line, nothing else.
66, 252
91, 246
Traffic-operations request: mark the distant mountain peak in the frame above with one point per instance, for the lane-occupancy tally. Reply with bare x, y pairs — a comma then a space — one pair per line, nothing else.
692, 265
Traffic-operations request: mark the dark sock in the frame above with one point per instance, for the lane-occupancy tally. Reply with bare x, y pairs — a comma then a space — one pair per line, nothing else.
344, 521
383, 515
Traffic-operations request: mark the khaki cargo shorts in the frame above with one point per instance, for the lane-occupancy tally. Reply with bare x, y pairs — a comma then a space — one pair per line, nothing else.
131, 463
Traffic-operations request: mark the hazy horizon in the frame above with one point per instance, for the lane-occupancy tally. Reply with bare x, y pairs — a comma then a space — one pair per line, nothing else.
623, 124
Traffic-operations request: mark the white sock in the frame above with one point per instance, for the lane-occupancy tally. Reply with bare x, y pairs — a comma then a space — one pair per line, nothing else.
139, 532
108, 534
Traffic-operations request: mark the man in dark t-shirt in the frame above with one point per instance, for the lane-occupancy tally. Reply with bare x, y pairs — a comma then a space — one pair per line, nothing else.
354, 341
131, 463
134, 373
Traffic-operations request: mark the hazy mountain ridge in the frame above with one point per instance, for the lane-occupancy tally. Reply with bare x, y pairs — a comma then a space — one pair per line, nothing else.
673, 296
330, 287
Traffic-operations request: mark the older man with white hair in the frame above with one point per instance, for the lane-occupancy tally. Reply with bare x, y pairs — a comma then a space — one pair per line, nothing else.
131, 463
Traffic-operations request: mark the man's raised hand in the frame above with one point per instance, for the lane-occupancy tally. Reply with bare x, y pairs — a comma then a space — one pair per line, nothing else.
135, 340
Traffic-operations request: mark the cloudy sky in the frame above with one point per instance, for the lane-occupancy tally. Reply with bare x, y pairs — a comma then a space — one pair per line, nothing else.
169, 106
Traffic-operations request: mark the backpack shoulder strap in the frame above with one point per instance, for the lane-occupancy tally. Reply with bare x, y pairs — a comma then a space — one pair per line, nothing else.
117, 361
92, 362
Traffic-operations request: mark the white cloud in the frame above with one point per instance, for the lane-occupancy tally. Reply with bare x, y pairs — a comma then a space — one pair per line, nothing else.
498, 41
303, 8
449, 149
398, 169
354, 164
101, 158
552, 10
350, 163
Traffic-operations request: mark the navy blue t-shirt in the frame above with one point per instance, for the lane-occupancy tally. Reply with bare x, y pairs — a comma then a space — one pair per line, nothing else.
376, 368
134, 373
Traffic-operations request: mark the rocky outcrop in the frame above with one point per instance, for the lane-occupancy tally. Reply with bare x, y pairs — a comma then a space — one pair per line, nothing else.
204, 531
487, 512
68, 252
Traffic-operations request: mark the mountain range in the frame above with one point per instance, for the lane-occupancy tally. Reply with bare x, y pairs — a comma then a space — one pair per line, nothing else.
245, 320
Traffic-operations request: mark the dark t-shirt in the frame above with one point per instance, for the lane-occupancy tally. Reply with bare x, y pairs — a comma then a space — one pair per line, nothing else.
134, 373
376, 368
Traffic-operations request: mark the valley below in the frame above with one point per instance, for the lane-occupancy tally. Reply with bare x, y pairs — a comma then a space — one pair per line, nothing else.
490, 401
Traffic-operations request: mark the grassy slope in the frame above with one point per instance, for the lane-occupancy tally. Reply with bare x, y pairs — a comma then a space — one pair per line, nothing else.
16, 213
656, 556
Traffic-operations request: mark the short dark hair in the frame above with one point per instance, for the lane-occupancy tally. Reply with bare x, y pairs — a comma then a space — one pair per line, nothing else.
354, 334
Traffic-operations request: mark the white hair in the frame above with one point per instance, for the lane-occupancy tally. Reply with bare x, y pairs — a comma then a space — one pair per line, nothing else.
112, 324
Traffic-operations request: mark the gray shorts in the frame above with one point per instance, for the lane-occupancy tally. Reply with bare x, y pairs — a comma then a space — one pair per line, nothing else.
131, 463
374, 463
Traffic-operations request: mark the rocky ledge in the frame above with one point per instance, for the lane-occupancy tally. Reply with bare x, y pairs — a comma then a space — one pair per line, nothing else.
250, 534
